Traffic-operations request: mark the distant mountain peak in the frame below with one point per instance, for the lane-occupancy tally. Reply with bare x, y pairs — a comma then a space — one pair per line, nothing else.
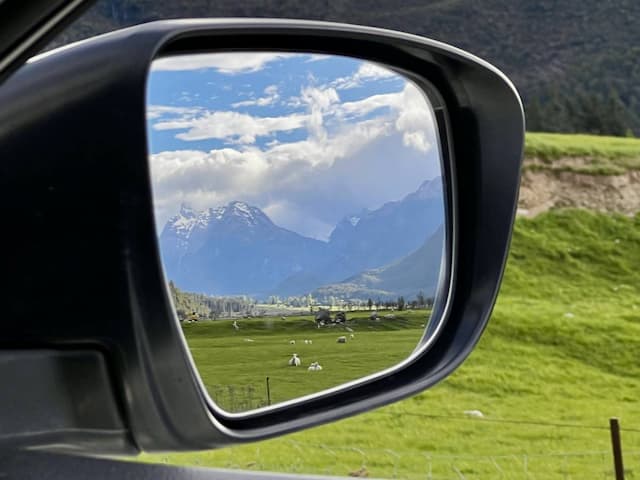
430, 189
236, 212
247, 214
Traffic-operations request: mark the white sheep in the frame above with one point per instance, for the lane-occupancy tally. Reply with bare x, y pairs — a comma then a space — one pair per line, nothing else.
474, 413
315, 367
390, 317
342, 339
352, 336
292, 342
308, 342
235, 325
295, 361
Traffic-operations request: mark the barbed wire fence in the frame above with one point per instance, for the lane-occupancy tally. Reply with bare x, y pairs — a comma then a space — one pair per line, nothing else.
413, 464
360, 461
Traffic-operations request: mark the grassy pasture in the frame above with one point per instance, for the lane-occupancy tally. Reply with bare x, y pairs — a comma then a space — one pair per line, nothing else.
560, 356
234, 364
599, 155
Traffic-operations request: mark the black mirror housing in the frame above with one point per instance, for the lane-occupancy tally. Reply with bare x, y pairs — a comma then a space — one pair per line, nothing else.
85, 271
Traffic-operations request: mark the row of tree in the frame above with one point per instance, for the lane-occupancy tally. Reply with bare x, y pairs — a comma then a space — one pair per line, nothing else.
400, 303
581, 112
197, 306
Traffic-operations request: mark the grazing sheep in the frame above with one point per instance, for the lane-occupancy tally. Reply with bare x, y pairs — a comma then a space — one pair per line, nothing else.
295, 361
342, 339
235, 325
473, 413
283, 318
292, 342
308, 342
390, 317
315, 367
352, 336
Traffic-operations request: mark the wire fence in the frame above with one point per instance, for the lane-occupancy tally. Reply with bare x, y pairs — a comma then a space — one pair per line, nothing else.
413, 464
357, 461
343, 459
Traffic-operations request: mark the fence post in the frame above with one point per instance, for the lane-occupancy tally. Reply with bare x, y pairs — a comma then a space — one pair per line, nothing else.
268, 393
616, 445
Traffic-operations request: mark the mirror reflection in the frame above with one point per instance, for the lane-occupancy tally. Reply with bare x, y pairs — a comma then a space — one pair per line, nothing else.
300, 216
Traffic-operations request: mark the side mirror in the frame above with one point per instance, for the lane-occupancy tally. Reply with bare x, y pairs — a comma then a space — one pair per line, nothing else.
210, 192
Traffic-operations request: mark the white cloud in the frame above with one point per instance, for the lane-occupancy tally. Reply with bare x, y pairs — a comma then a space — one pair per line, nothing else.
229, 63
205, 179
369, 104
366, 72
231, 126
415, 119
318, 102
270, 98
157, 111
316, 57
345, 163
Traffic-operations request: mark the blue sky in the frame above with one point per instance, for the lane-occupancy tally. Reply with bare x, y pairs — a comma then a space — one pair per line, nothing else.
307, 138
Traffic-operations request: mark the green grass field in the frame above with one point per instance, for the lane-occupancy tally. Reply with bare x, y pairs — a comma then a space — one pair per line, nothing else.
559, 358
598, 155
234, 364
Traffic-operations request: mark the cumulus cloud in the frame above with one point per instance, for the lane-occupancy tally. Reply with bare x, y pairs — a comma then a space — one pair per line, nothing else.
415, 119
366, 72
267, 178
345, 162
231, 126
229, 63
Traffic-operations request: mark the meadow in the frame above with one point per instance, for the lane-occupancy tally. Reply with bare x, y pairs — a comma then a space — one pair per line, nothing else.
234, 364
560, 356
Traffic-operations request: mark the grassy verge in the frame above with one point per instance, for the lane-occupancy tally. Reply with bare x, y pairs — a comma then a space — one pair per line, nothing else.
559, 358
596, 155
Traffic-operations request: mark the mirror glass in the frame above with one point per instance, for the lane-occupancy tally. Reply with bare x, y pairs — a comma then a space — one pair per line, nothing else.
300, 216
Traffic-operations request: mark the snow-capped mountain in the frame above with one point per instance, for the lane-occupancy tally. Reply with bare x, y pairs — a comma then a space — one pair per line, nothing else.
237, 249
233, 249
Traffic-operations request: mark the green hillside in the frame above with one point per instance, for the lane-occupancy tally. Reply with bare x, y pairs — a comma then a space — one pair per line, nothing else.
575, 61
559, 358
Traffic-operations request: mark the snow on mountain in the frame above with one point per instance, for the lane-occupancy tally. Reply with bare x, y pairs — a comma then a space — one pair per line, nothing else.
233, 249
237, 249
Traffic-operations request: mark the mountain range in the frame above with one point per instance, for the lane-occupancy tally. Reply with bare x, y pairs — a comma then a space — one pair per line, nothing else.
236, 249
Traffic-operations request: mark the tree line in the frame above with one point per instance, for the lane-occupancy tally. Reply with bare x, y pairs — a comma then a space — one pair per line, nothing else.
564, 111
